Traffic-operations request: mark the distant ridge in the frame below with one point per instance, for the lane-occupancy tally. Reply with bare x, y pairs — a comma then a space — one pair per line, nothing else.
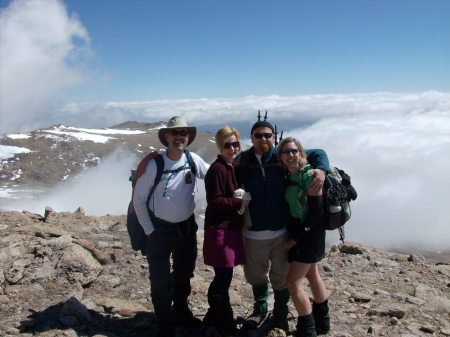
136, 125
58, 153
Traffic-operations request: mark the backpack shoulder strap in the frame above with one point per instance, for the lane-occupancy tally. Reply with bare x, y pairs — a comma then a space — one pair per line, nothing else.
159, 171
135, 174
191, 162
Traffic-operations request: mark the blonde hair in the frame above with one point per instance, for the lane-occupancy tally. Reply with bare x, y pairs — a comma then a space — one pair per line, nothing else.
302, 158
225, 132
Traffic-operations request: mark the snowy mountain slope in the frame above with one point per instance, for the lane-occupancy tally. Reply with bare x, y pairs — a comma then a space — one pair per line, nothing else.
45, 157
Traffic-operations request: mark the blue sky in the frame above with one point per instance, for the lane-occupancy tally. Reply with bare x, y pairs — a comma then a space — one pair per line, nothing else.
194, 49
144, 50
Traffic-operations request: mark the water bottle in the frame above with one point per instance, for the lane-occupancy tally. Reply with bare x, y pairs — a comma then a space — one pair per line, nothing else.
334, 216
334, 208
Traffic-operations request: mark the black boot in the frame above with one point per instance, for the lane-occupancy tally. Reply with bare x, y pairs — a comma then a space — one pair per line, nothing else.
321, 317
281, 309
259, 314
306, 326
223, 315
184, 317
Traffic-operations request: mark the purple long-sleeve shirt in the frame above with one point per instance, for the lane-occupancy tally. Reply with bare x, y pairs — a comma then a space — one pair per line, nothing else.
220, 184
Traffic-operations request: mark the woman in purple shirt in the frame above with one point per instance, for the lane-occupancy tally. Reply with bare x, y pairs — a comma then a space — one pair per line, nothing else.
223, 246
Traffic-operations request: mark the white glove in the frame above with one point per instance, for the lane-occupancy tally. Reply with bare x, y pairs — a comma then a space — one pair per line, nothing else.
241, 194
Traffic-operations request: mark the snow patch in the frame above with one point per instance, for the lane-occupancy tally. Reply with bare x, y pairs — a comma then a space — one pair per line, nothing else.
16, 174
81, 135
106, 131
7, 151
18, 136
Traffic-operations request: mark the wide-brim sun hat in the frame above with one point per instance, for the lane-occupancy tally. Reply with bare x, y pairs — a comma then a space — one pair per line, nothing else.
177, 122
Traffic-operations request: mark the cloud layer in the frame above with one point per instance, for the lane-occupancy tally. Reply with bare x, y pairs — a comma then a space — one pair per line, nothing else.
41, 54
283, 110
399, 164
394, 146
102, 190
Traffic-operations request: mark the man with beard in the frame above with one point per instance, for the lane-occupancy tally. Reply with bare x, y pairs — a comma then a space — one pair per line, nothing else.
261, 174
168, 220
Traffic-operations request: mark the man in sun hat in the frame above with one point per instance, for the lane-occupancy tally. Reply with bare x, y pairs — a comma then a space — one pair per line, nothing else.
266, 259
169, 222
177, 123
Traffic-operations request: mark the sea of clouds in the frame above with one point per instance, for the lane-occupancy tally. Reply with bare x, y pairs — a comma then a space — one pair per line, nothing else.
395, 146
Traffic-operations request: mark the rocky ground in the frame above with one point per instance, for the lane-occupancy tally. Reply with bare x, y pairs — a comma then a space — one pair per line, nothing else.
73, 275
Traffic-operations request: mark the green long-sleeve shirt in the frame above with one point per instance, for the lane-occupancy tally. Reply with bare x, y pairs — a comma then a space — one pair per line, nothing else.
297, 192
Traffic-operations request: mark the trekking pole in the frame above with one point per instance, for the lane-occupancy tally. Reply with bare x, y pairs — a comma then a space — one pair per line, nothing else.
276, 133
341, 234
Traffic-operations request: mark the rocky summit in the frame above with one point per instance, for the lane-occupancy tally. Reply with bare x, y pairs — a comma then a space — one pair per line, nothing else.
68, 274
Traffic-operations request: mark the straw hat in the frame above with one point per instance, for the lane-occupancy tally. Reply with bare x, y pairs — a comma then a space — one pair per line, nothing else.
177, 122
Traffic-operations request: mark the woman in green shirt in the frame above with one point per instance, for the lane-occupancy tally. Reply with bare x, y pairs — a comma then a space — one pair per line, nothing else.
307, 240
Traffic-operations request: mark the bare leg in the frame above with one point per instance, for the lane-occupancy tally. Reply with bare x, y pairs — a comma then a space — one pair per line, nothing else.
316, 283
296, 275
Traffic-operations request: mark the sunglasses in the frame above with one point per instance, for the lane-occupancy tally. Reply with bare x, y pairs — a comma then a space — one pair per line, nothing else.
233, 144
182, 133
261, 135
290, 151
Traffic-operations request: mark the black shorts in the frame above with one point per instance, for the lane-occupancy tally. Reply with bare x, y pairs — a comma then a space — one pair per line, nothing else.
311, 248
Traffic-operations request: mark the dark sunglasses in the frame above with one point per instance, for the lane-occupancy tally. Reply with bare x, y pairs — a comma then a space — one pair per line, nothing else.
229, 145
182, 133
290, 151
261, 135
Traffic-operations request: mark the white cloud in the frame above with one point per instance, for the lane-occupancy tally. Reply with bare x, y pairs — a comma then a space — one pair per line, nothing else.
394, 146
102, 190
41, 48
285, 111
399, 164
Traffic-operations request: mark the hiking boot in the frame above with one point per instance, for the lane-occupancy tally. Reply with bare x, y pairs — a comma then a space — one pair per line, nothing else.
321, 317
165, 334
306, 326
210, 331
281, 323
208, 320
187, 319
261, 295
228, 331
165, 330
281, 309
227, 327
253, 321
